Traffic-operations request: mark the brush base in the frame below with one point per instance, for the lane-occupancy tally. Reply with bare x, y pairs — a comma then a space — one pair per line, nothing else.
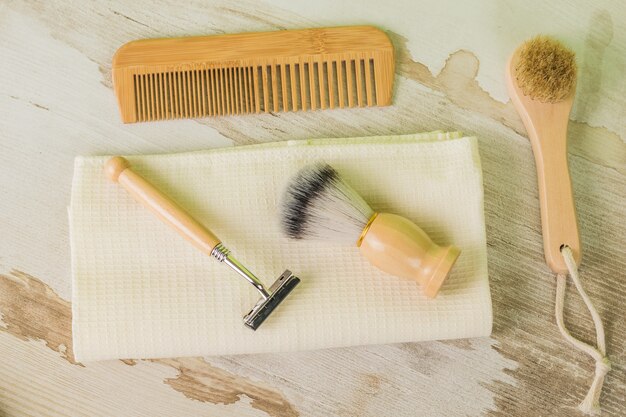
448, 257
399, 247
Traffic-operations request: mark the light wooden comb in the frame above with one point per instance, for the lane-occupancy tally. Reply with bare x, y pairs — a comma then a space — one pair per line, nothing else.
157, 79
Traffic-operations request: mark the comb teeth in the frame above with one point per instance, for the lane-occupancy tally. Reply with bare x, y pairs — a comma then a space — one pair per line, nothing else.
333, 68
204, 91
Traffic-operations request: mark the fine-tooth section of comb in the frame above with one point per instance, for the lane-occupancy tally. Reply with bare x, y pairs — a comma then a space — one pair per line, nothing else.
310, 69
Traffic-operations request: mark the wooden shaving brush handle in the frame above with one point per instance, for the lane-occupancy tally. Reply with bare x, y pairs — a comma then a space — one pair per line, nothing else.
399, 247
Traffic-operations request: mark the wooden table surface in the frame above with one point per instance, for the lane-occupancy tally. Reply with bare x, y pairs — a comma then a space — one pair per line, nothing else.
56, 102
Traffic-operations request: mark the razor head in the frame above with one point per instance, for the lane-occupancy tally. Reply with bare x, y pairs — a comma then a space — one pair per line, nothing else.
279, 290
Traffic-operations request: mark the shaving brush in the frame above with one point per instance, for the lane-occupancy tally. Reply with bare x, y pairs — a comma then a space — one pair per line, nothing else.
318, 204
541, 79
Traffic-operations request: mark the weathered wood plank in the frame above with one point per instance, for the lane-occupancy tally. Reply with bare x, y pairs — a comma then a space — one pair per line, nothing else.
56, 102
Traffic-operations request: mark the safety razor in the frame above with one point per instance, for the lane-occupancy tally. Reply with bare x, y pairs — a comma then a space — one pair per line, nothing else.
118, 169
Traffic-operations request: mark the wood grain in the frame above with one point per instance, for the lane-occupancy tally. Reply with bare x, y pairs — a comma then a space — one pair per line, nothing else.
32, 311
449, 75
196, 59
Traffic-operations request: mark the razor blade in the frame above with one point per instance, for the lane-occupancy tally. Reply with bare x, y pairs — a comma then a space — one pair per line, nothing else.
270, 299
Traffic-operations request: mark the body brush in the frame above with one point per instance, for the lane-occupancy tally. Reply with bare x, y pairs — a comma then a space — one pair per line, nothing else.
541, 79
319, 204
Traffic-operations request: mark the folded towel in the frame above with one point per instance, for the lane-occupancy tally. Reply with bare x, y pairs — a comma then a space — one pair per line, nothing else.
141, 291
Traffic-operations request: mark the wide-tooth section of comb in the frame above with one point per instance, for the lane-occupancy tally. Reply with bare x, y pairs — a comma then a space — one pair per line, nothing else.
331, 69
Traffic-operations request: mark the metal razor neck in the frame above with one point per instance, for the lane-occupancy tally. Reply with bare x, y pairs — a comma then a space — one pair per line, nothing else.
222, 254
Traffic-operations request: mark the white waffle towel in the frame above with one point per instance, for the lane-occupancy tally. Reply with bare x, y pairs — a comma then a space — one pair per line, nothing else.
141, 291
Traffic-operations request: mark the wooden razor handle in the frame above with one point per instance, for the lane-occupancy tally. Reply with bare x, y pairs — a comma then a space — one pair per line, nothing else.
118, 170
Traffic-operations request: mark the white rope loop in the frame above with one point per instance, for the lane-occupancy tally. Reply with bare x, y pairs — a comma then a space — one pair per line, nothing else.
591, 403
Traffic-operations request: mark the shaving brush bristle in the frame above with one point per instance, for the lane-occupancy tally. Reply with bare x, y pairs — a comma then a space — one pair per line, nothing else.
319, 204
546, 70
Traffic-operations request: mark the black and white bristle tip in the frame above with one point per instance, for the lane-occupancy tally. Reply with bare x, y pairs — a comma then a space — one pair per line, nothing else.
319, 204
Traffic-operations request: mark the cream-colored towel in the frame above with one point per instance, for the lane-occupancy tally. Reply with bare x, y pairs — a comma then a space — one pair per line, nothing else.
141, 291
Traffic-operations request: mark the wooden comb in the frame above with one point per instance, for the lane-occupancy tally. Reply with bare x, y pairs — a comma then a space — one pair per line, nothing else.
156, 79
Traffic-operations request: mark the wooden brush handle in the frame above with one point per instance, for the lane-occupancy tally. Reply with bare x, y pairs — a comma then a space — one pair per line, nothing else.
118, 170
558, 212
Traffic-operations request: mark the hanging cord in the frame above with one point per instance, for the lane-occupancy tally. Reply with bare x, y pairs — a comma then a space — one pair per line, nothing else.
591, 403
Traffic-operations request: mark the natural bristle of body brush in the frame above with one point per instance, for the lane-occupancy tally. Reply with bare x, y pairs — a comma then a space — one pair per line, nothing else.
546, 69
319, 204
